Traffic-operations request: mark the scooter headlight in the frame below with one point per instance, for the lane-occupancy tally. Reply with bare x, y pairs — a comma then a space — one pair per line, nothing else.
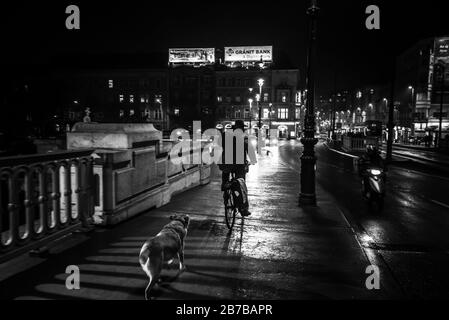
375, 172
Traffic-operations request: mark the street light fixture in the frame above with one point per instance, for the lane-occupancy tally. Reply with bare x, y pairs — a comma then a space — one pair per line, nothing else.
307, 195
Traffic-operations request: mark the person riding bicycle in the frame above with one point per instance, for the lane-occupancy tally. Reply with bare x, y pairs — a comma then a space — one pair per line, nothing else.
238, 163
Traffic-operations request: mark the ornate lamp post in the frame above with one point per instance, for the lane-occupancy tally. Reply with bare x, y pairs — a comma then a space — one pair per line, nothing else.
307, 195
250, 100
260, 83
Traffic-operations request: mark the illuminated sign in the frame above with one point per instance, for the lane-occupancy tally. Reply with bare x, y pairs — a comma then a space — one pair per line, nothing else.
239, 54
192, 55
441, 54
442, 48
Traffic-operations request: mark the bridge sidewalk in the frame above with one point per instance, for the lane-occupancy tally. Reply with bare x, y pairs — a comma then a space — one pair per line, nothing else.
280, 252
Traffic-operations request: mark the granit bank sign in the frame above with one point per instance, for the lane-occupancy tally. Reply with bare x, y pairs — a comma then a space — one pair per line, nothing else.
249, 53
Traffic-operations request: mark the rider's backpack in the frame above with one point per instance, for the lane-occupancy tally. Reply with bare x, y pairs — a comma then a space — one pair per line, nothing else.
240, 193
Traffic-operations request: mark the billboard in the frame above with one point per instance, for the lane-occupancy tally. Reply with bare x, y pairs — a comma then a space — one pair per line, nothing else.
247, 54
191, 55
442, 50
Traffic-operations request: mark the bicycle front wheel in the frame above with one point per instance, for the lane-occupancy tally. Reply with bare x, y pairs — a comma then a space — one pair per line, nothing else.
230, 209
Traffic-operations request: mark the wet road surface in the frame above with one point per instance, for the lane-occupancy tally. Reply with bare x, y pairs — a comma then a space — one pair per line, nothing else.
411, 234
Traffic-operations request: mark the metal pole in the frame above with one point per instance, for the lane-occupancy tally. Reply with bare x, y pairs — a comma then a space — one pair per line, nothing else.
391, 114
334, 106
307, 195
260, 109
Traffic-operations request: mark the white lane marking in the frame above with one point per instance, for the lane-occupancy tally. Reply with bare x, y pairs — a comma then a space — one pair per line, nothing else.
342, 153
440, 203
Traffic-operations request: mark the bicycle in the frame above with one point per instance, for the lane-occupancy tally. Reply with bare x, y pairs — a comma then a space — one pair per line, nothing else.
229, 201
230, 207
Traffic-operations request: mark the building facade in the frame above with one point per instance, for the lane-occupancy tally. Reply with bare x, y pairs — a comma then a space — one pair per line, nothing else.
265, 97
119, 95
419, 88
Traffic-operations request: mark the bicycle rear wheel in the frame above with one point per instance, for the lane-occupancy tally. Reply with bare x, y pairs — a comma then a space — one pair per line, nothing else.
230, 209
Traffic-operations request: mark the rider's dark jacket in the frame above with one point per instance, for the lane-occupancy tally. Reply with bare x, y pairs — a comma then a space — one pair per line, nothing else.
227, 164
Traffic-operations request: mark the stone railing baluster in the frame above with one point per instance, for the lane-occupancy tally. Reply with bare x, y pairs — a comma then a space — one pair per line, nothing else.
36, 198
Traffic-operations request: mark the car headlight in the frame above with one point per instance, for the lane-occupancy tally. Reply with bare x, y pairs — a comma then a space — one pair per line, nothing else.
375, 172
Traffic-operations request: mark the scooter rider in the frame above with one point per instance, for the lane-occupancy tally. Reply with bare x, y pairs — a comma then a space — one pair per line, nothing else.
370, 159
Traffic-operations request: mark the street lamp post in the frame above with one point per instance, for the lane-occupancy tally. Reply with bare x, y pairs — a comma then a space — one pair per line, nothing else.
260, 83
250, 100
413, 107
307, 195
269, 125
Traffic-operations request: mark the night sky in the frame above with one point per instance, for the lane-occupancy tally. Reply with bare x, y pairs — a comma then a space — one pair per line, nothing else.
34, 32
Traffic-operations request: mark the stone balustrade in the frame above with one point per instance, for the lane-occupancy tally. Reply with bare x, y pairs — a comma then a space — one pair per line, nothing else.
132, 169
109, 173
43, 197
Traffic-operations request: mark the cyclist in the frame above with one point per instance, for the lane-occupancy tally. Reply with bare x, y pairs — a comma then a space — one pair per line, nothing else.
239, 168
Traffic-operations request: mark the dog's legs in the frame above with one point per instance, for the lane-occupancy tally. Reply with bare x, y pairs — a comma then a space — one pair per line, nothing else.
182, 266
155, 268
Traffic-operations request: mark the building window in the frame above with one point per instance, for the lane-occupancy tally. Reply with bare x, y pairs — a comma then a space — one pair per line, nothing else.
120, 98
237, 114
228, 99
131, 98
266, 113
297, 113
284, 97
283, 113
142, 99
111, 84
158, 114
246, 113
265, 97
237, 99
121, 113
219, 98
176, 112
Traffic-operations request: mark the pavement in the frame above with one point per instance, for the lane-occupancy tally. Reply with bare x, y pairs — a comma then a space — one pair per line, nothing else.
281, 251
